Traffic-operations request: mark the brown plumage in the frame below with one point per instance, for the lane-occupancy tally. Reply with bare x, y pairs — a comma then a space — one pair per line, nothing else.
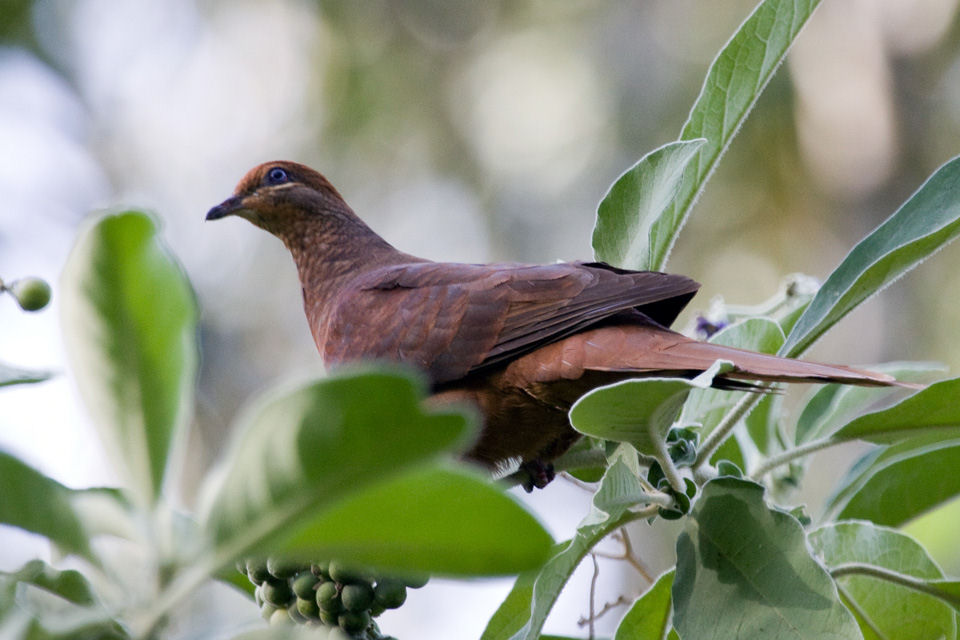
522, 342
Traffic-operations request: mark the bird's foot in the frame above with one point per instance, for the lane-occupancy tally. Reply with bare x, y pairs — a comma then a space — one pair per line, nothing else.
539, 474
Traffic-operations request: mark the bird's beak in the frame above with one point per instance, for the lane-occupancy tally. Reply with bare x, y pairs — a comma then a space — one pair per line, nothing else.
228, 207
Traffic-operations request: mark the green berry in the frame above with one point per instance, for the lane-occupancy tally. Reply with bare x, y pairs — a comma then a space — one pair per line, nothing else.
257, 571
328, 598
280, 617
321, 570
354, 621
416, 581
282, 568
343, 574
32, 294
329, 618
303, 585
356, 597
390, 593
308, 608
277, 592
376, 609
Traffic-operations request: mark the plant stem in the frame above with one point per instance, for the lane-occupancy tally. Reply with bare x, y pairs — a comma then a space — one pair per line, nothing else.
723, 429
790, 455
873, 571
670, 470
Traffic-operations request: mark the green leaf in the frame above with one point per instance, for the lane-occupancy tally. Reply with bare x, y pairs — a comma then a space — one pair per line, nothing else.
300, 451
649, 617
895, 610
901, 482
630, 225
129, 321
744, 571
832, 405
431, 520
635, 411
10, 375
70, 585
927, 221
39, 504
707, 407
522, 614
732, 86
933, 410
763, 422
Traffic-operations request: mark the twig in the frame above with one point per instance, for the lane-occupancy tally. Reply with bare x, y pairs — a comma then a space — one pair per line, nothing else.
606, 608
790, 455
593, 592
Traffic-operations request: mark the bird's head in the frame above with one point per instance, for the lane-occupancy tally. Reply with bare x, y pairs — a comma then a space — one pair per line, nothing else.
281, 197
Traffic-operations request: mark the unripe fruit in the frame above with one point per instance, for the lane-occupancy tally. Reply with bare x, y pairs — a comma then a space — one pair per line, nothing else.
281, 568
328, 598
356, 597
321, 570
343, 574
303, 585
308, 608
415, 582
390, 593
32, 294
257, 571
277, 593
354, 621
329, 618
267, 610
280, 617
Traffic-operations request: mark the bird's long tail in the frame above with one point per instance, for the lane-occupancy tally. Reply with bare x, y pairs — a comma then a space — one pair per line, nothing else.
653, 350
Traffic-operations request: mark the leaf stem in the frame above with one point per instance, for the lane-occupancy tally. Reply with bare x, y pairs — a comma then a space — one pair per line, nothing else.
790, 455
881, 573
723, 429
670, 470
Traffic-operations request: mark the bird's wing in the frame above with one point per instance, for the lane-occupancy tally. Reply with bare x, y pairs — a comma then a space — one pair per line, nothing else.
453, 319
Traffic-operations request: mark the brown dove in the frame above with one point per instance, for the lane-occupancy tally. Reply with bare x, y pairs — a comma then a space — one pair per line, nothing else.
521, 342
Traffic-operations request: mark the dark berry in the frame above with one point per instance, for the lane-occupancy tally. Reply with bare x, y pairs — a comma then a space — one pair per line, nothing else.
356, 597
328, 598
390, 593
354, 621
304, 585
277, 592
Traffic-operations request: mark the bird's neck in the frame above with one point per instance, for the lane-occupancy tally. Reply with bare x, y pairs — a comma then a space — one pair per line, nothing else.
330, 255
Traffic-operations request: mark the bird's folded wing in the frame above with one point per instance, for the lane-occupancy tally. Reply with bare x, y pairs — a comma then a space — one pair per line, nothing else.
453, 319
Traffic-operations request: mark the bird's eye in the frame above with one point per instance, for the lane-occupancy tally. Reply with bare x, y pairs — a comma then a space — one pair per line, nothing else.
277, 175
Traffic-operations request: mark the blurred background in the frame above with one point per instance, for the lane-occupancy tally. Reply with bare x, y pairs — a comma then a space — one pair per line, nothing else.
466, 131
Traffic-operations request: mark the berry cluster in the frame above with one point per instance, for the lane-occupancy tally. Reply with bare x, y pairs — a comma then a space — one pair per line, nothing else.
330, 594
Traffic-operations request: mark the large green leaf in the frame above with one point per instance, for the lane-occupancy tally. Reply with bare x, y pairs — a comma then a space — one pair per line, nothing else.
69, 585
522, 614
10, 375
649, 617
744, 571
432, 520
927, 221
129, 321
892, 609
638, 411
630, 223
732, 86
933, 410
300, 451
832, 405
32, 501
901, 482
